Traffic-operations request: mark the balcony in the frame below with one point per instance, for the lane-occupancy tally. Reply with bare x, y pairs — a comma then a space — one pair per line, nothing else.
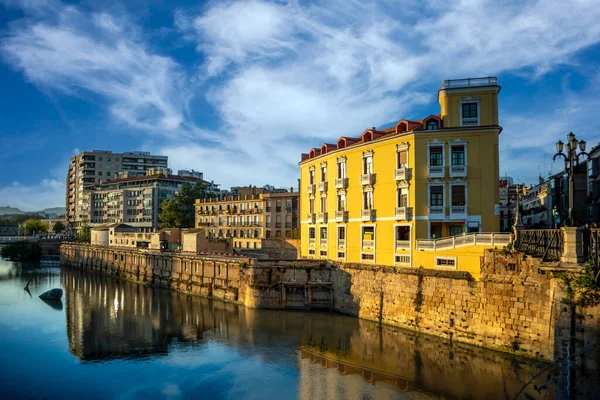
367, 215
341, 216
469, 82
458, 171
310, 189
402, 244
436, 171
341, 243
323, 242
403, 213
322, 217
402, 174
437, 212
369, 244
323, 186
341, 183
311, 218
458, 212
311, 241
367, 179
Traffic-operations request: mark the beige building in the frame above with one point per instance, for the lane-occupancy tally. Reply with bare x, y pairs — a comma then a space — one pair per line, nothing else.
249, 216
89, 168
135, 200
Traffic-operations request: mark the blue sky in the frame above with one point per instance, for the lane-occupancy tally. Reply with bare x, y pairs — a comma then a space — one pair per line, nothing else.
239, 89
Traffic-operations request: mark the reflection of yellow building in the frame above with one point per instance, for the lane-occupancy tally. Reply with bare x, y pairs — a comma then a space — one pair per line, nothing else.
382, 197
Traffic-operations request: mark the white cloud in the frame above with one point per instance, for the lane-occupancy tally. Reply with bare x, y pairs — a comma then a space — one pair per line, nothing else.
34, 197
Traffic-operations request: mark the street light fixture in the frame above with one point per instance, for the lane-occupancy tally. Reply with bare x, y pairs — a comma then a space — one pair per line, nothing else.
571, 157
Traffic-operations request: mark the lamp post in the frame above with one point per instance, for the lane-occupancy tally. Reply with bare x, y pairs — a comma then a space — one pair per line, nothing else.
571, 157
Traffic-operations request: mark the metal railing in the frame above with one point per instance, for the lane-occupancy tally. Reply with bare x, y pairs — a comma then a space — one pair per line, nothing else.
471, 239
454, 83
547, 244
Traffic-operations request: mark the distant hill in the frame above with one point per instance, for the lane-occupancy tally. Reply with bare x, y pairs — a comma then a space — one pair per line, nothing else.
7, 210
10, 211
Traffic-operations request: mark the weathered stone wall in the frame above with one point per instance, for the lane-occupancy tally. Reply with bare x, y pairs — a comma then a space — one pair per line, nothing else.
504, 311
281, 249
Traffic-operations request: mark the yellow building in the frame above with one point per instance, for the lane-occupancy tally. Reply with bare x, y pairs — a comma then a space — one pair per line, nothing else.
385, 196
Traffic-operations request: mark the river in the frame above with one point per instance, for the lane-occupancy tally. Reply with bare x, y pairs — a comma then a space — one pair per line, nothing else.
115, 339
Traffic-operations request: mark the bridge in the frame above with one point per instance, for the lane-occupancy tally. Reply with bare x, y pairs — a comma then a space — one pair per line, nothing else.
16, 239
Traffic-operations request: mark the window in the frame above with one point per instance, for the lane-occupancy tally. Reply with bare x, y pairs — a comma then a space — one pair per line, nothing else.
278, 206
367, 257
403, 233
432, 125
341, 203
341, 169
311, 177
278, 221
368, 165
268, 221
445, 262
402, 159
341, 235
311, 232
368, 235
99, 158
323, 173
469, 110
268, 205
458, 155
324, 204
108, 159
100, 173
436, 156
367, 200
459, 195
311, 205
402, 197
323, 233
436, 196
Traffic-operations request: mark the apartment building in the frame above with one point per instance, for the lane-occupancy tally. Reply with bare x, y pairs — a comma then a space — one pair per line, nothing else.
135, 200
93, 167
250, 215
371, 198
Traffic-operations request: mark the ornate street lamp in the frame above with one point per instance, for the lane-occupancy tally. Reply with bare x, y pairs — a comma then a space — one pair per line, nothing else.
571, 157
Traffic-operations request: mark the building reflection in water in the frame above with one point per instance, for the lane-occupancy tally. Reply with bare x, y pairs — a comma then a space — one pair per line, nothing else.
108, 318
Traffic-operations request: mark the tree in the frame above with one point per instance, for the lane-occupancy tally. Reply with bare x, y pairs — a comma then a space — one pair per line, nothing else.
85, 234
179, 213
33, 226
58, 227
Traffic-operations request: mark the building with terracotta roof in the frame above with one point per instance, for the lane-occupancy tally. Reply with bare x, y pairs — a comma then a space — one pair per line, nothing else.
383, 196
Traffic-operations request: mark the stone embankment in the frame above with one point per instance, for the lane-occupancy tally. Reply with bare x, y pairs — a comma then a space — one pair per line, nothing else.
514, 307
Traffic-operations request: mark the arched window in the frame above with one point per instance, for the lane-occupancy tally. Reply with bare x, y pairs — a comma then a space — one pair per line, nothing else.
432, 125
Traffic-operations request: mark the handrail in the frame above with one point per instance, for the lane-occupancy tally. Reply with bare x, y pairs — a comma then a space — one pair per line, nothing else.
470, 239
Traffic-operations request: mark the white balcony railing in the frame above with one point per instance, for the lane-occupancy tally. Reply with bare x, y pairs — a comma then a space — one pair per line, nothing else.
367, 179
311, 241
369, 244
436, 171
310, 189
467, 82
341, 183
367, 215
402, 174
458, 171
342, 243
311, 218
471, 239
402, 244
323, 242
323, 186
341, 216
458, 212
470, 121
322, 217
437, 212
403, 213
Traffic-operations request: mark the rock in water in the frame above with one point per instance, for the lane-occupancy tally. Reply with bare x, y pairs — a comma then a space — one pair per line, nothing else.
53, 294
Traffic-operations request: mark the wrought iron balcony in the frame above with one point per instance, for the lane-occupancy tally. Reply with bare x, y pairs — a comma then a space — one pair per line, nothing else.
341, 183
323, 186
367, 215
458, 171
310, 189
341, 216
436, 171
367, 179
322, 217
311, 218
402, 174
403, 213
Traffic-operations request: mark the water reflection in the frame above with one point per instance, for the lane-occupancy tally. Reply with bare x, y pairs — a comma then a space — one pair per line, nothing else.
336, 356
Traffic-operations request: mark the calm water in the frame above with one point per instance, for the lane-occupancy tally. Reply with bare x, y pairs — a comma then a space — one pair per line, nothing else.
115, 339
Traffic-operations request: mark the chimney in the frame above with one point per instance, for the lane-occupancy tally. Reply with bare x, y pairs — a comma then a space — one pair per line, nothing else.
291, 189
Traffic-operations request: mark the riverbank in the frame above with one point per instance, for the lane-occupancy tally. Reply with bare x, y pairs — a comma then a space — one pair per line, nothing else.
514, 307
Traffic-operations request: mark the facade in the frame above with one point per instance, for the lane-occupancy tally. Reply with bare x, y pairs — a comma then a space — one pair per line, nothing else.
509, 192
135, 200
93, 167
559, 184
372, 198
536, 206
593, 181
249, 216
